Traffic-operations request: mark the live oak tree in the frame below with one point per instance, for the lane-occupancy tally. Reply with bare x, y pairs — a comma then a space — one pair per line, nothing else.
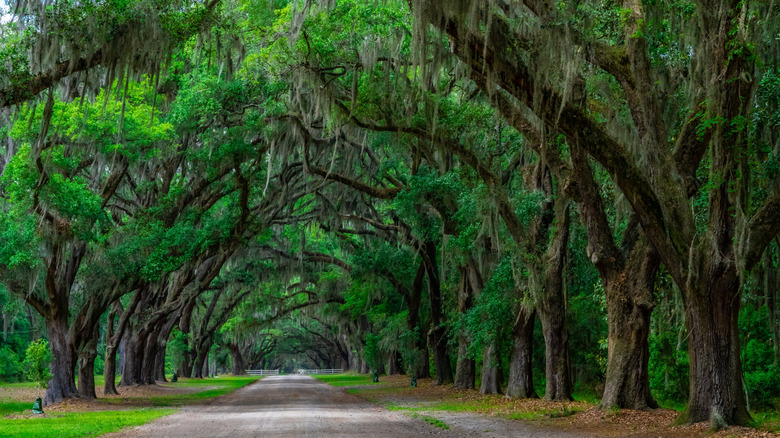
405, 184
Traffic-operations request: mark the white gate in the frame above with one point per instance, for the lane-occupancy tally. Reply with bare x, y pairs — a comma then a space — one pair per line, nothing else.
263, 372
321, 371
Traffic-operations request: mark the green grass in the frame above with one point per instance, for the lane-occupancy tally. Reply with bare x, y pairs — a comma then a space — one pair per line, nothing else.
769, 420
370, 393
89, 424
14, 407
19, 385
79, 424
585, 396
212, 387
431, 420
450, 406
346, 379
485, 405
224, 385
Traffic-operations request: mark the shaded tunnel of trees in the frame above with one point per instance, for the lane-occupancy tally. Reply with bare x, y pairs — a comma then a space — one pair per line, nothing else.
533, 197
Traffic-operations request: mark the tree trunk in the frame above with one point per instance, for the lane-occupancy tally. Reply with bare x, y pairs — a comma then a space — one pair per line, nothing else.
86, 383
521, 382
149, 365
551, 307
159, 373
396, 364
109, 371
134, 343
712, 313
556, 355
344, 364
109, 367
466, 368
771, 291
187, 364
629, 299
200, 370
237, 359
86, 363
62, 385
414, 321
491, 371
440, 352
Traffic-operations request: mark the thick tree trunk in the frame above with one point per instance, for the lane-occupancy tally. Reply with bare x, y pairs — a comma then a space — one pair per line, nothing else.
551, 307
414, 321
86, 383
521, 382
109, 371
149, 363
491, 371
440, 351
86, 363
396, 365
556, 355
186, 364
712, 313
200, 369
159, 369
62, 385
466, 368
423, 341
629, 299
109, 367
162, 344
135, 343
237, 359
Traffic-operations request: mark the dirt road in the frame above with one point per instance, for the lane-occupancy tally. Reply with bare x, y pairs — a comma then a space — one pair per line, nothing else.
300, 406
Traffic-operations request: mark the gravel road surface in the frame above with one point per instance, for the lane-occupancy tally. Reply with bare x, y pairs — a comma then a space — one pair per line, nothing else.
301, 406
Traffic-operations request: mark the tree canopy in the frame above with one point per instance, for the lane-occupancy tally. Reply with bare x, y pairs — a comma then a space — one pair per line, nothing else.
539, 193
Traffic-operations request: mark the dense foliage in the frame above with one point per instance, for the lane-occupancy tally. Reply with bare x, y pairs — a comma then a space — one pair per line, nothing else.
534, 198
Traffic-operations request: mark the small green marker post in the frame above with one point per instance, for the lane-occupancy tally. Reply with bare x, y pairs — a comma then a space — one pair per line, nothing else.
413, 383
376, 377
38, 406
175, 377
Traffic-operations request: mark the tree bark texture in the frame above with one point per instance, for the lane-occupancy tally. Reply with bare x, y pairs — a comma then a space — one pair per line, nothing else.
551, 307
521, 382
465, 369
629, 297
236, 359
62, 384
491, 371
712, 313
439, 331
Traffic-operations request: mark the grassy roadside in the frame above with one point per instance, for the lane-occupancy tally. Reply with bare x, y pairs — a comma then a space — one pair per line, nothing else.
425, 401
205, 389
395, 394
79, 424
347, 379
92, 419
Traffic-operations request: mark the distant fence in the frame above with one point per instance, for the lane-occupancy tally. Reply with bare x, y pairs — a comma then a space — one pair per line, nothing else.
263, 372
322, 371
